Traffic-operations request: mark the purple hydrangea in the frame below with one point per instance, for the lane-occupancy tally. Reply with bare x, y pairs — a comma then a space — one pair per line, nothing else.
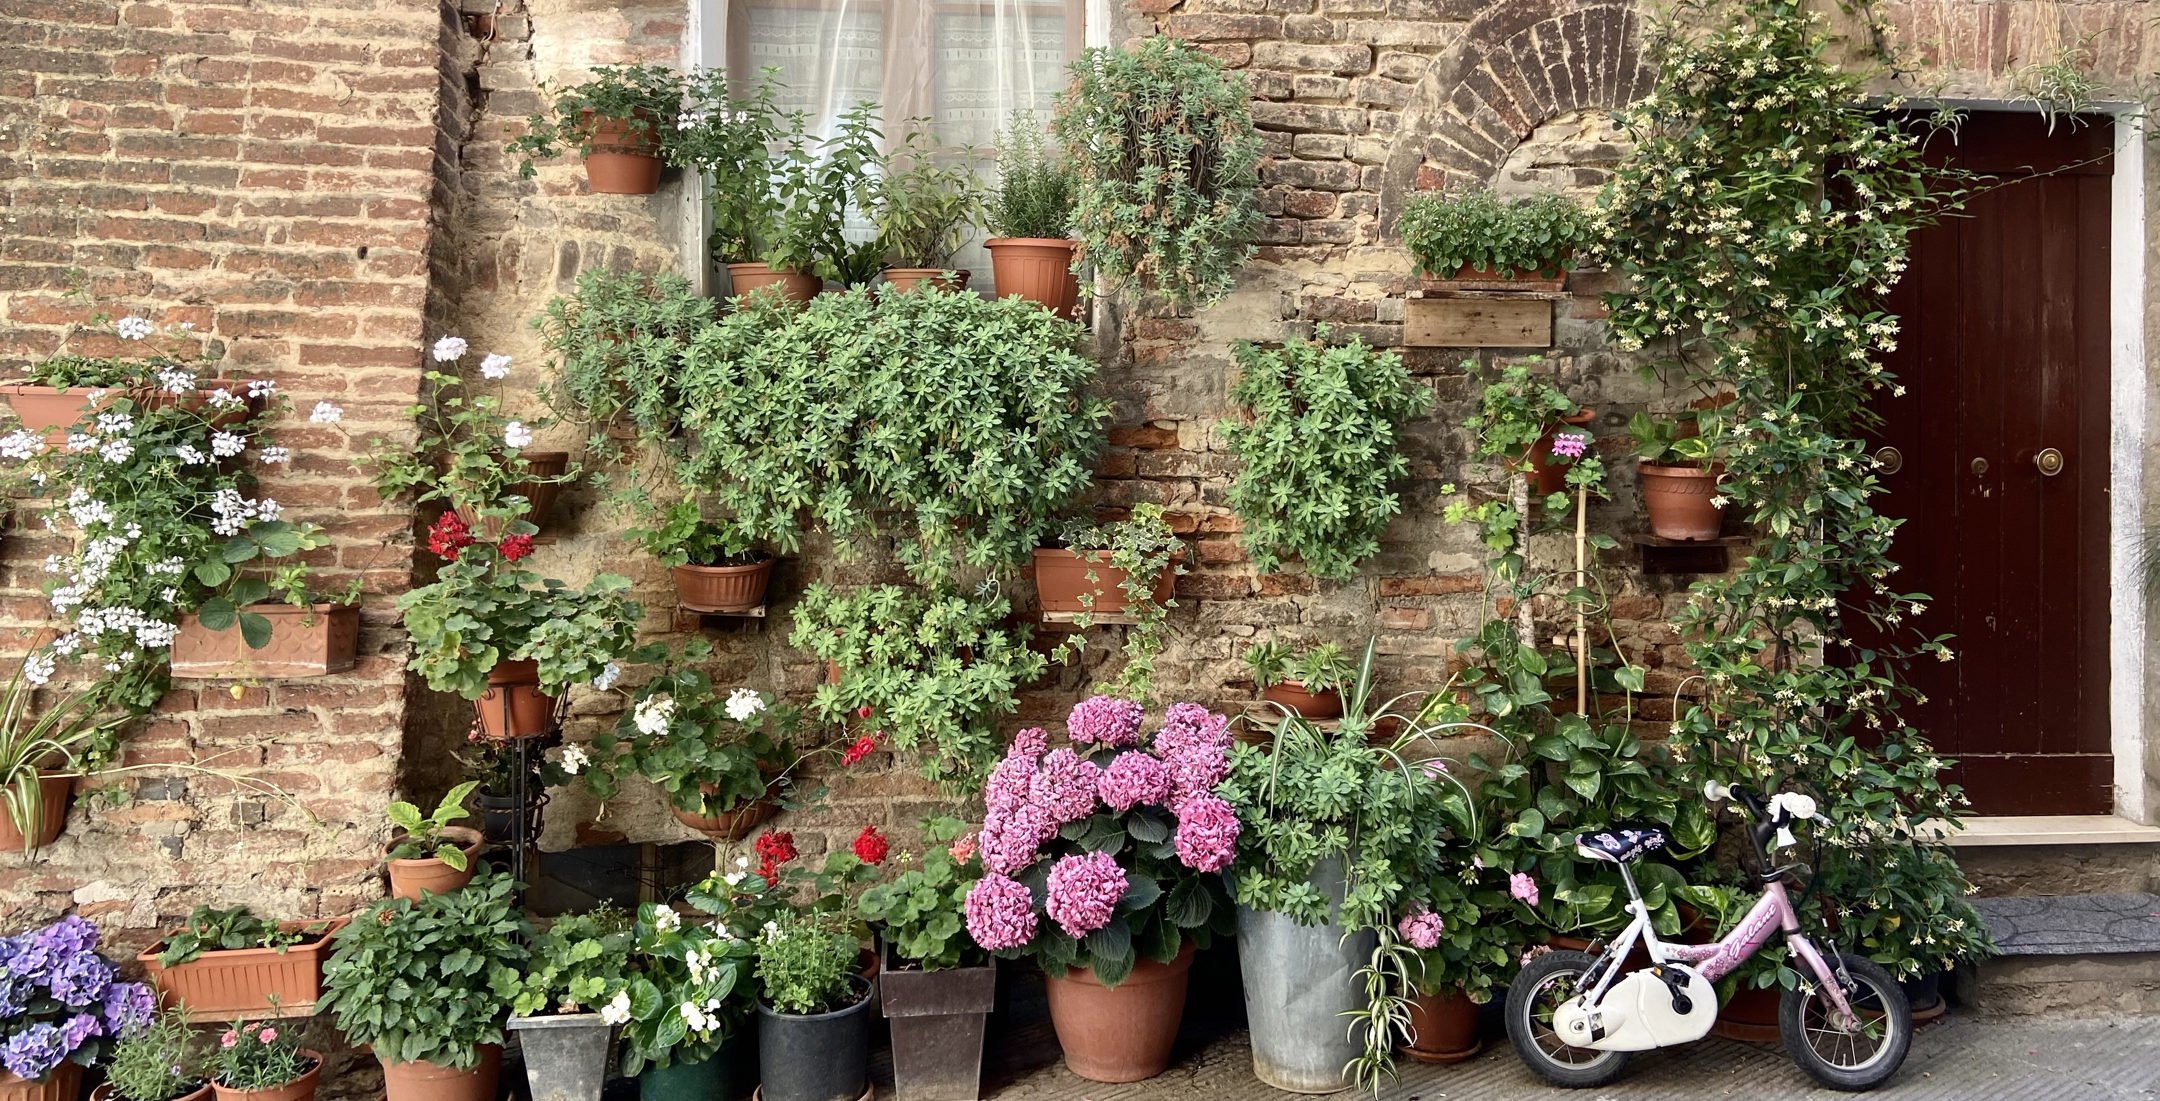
1207, 832
80, 979
1007, 788
129, 1006
1195, 743
1420, 929
1000, 913
1133, 778
80, 1028
15, 993
1064, 787
1105, 720
35, 1051
1031, 742
1084, 892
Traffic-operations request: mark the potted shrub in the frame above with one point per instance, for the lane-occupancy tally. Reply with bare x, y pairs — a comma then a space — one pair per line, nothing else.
65, 1010
1031, 217
1101, 860
1165, 198
716, 564
1307, 683
1460, 927
620, 122
154, 1061
263, 1061
1679, 482
814, 1013
924, 207
41, 753
685, 1009
496, 633
1476, 238
573, 995
718, 758
429, 855
466, 948
751, 155
241, 633
223, 962
1123, 568
935, 986
1521, 417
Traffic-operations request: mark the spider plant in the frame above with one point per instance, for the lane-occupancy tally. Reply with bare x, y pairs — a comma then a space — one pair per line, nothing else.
33, 743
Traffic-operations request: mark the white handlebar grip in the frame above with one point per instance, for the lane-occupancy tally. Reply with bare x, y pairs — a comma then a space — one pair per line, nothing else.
1715, 792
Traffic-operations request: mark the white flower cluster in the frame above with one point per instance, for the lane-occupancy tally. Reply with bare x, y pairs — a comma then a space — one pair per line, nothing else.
326, 413
176, 380
609, 674
233, 512
20, 445
616, 1012
703, 1019
653, 714
574, 759
133, 328
743, 703
495, 366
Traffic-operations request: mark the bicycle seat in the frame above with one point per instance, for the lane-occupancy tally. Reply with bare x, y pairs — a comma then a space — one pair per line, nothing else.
1619, 844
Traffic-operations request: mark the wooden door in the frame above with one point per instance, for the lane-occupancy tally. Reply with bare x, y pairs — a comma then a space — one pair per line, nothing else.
2004, 355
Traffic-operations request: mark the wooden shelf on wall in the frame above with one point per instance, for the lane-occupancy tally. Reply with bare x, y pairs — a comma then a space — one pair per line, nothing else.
1686, 556
1479, 319
746, 622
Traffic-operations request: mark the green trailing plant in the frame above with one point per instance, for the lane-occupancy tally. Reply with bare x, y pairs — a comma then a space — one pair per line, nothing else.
936, 671
806, 963
617, 345
214, 929
484, 608
1317, 668
1035, 192
1321, 455
156, 1061
80, 730
2062, 87
421, 833
678, 533
1668, 441
921, 912
465, 948
579, 965
1165, 163
965, 420
739, 144
686, 990
709, 752
1141, 548
927, 201
1447, 232
645, 99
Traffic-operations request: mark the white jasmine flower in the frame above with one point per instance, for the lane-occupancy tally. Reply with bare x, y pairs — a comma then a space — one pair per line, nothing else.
449, 349
132, 328
515, 434
574, 759
496, 365
743, 703
617, 1011
609, 674
326, 413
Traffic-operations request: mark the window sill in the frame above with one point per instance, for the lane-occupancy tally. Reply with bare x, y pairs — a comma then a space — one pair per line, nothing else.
2052, 829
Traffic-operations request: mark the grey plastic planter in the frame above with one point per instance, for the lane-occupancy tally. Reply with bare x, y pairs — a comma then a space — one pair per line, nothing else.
1299, 981
565, 1056
937, 1029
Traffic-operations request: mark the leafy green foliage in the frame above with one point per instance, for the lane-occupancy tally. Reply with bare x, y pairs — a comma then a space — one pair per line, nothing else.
106, 372
816, 184
937, 670
429, 980
737, 143
926, 202
482, 610
1139, 548
681, 733
77, 730
578, 964
460, 455
1035, 191
1321, 457
687, 990
921, 912
212, 929
1317, 668
1160, 141
1668, 441
1477, 229
806, 963
158, 1062
422, 834
645, 98
617, 345
677, 532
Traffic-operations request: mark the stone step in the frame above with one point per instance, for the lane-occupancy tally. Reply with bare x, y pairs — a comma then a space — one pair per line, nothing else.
2078, 955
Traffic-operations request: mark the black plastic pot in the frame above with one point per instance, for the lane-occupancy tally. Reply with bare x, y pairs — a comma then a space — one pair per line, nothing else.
498, 814
937, 1029
821, 1057
730, 1075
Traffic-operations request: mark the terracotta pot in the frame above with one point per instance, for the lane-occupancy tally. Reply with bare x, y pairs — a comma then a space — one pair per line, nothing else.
1749, 1016
907, 279
428, 1082
409, 877
55, 791
299, 1089
1062, 585
623, 161
63, 1084
1443, 1027
794, 285
1325, 704
104, 1092
1678, 501
1121, 1033
314, 641
539, 496
54, 410
1489, 279
513, 705
1548, 478
722, 588
729, 825
1038, 269
247, 982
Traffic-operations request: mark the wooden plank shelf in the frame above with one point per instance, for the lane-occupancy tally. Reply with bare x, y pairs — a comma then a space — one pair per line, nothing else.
744, 622
1479, 319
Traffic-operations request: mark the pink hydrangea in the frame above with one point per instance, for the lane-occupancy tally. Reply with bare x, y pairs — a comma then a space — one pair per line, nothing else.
1084, 892
1106, 720
1064, 787
1030, 742
1007, 788
1207, 832
1522, 888
1195, 743
1011, 841
1420, 929
1000, 913
1132, 778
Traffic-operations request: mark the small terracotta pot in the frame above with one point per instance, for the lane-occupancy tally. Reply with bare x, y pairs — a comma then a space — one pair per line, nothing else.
794, 285
53, 410
1548, 477
428, 1082
64, 1083
729, 825
409, 877
1122, 1033
313, 641
907, 279
55, 792
1324, 704
1038, 269
513, 706
299, 1089
1749, 1016
722, 588
103, 1091
539, 496
1443, 1027
246, 982
1677, 499
1062, 585
623, 161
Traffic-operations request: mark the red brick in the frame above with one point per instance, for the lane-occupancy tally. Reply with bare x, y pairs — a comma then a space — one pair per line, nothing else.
1446, 584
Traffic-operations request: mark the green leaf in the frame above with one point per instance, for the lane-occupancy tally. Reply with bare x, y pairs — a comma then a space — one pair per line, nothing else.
1189, 906
255, 628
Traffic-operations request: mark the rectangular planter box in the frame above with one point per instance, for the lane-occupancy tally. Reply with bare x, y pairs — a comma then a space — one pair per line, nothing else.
246, 982
937, 1022
304, 642
1482, 322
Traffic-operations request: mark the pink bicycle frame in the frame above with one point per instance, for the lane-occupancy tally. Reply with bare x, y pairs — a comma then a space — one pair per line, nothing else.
1773, 912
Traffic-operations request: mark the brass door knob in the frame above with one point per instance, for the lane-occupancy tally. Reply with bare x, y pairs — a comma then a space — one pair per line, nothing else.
1979, 466
2050, 462
1889, 460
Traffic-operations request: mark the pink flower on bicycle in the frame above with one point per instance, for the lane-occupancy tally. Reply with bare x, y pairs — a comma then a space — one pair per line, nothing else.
1522, 888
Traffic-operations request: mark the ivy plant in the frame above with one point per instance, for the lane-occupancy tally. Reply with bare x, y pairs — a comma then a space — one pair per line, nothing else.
1162, 148
1140, 548
1321, 456
1450, 231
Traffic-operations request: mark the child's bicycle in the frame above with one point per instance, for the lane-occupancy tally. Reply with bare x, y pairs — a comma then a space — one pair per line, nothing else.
1575, 1016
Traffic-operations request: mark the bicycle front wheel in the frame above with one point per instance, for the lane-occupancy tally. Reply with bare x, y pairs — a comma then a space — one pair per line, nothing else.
1842, 1057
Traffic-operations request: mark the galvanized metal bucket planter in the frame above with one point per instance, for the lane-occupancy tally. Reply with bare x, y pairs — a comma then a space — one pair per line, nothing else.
937, 1029
566, 1055
1299, 981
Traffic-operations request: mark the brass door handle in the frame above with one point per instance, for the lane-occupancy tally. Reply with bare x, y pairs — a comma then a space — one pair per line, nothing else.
2050, 462
1889, 460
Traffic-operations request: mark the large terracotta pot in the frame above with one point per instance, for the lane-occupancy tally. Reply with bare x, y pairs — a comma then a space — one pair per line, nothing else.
1750, 1016
63, 1084
907, 279
794, 286
513, 705
1325, 704
623, 161
539, 496
1547, 477
722, 588
1443, 1027
247, 982
1678, 499
1121, 1033
729, 825
1038, 269
428, 1082
1062, 585
410, 876
55, 791
313, 641
299, 1089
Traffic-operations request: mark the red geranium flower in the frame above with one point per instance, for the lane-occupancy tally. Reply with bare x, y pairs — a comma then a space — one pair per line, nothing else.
870, 846
514, 547
449, 536
863, 712
863, 747
774, 848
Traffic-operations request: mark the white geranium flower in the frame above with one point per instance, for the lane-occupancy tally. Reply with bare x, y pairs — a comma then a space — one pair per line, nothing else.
617, 1011
326, 413
190, 455
574, 759
276, 455
496, 365
262, 388
743, 703
19, 445
653, 714
609, 674
515, 434
133, 328
221, 398
666, 919
449, 349
734, 879
38, 668
225, 444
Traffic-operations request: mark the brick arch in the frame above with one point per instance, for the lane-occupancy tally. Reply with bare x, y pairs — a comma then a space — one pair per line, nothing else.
1516, 65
